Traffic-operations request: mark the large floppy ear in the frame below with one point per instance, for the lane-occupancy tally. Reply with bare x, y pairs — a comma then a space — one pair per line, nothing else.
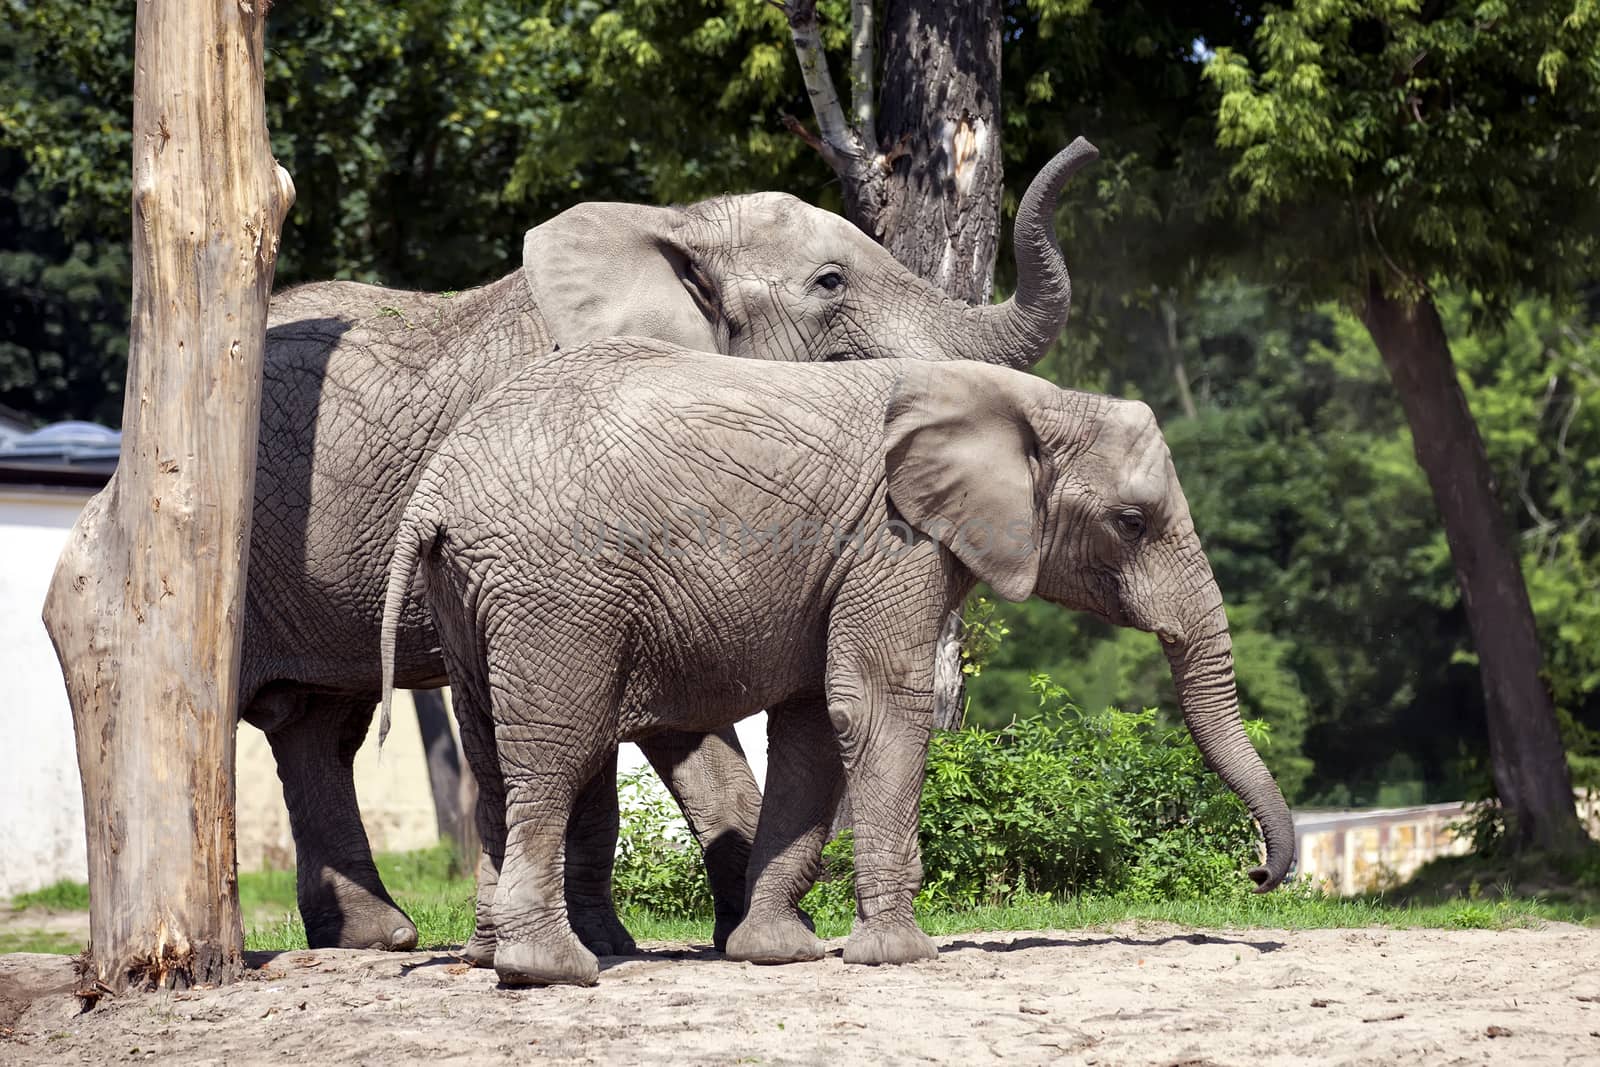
963, 463
601, 270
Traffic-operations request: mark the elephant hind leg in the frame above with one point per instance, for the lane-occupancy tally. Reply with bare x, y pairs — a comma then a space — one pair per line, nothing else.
535, 941
343, 902
591, 856
709, 778
804, 781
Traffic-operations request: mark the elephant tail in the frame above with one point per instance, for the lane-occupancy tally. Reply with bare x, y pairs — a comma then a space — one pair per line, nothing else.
415, 532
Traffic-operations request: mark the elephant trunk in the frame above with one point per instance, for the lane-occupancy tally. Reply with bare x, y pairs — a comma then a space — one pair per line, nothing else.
1201, 658
1020, 331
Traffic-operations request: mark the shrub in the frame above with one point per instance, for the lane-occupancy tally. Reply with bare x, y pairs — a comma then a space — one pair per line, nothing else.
1067, 801
659, 866
1061, 802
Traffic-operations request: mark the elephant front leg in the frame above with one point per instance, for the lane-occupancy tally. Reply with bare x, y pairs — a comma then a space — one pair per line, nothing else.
883, 730
804, 781
708, 776
591, 855
343, 902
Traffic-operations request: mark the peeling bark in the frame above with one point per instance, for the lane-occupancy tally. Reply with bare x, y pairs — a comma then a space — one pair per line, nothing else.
145, 604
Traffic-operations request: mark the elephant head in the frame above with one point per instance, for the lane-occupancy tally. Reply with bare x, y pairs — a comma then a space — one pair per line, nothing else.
768, 276
1073, 497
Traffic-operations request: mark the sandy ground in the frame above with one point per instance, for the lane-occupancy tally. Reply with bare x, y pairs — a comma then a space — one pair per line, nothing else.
1133, 995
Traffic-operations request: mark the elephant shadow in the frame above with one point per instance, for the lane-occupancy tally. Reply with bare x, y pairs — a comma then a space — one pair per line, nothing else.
1109, 939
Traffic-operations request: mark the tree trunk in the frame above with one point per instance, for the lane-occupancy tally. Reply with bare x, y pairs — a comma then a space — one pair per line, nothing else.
940, 111
929, 187
449, 778
145, 604
1530, 766
940, 204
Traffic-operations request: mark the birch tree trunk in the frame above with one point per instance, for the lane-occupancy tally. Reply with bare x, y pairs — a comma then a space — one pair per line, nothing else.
146, 601
921, 174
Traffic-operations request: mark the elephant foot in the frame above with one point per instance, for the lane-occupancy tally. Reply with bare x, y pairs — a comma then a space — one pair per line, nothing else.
728, 923
479, 950
603, 933
875, 943
371, 923
774, 939
560, 961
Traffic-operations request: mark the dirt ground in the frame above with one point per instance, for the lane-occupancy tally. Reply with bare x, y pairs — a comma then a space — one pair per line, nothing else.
1132, 995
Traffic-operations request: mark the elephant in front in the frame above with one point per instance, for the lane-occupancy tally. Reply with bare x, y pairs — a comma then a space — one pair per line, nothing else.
635, 538
363, 384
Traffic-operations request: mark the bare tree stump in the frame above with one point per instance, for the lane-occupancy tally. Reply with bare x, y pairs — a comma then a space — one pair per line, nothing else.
146, 602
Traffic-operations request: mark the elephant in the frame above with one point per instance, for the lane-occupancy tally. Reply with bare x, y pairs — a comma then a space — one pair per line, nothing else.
638, 538
363, 383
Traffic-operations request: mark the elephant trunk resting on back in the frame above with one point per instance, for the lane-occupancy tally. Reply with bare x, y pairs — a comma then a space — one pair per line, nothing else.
911, 480
362, 384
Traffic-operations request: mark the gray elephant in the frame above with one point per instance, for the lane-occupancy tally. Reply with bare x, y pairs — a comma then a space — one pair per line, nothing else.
362, 384
637, 538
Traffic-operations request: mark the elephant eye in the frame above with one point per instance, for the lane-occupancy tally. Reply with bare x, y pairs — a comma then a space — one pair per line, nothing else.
828, 280
1130, 523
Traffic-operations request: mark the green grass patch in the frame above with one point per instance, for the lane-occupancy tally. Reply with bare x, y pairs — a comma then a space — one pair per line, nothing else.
65, 895
50, 941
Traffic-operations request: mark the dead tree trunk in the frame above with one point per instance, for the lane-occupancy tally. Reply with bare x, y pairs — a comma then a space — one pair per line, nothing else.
145, 605
926, 180
455, 794
1525, 750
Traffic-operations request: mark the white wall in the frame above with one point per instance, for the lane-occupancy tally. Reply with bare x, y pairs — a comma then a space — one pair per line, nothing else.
41, 807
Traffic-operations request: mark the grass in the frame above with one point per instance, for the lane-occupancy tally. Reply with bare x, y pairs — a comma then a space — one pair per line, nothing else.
40, 941
64, 895
1448, 894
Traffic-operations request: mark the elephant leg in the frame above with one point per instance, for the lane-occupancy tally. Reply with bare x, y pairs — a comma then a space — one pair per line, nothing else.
804, 781
342, 900
708, 776
535, 943
591, 855
883, 727
478, 747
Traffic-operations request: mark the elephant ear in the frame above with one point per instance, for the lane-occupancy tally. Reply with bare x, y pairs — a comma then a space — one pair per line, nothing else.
962, 458
602, 270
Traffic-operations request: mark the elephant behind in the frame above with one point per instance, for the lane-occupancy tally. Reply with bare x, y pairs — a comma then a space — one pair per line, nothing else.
670, 541
362, 384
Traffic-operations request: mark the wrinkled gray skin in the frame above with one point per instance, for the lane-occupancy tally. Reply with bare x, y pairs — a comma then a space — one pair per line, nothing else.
362, 384
559, 645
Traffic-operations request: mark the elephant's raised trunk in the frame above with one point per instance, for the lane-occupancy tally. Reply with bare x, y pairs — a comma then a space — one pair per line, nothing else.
1020, 331
1201, 657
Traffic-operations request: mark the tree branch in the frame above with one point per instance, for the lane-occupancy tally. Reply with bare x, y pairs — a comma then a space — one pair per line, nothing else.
803, 27
862, 103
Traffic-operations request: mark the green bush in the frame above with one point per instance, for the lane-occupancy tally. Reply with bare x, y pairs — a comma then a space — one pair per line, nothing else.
1063, 802
659, 867
1068, 801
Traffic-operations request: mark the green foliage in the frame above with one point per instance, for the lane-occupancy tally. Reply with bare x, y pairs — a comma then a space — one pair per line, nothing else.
1457, 141
1350, 639
1064, 803
659, 867
423, 136
65, 895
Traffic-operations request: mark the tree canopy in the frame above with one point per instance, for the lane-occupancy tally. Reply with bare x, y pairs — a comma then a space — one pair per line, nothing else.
1257, 164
